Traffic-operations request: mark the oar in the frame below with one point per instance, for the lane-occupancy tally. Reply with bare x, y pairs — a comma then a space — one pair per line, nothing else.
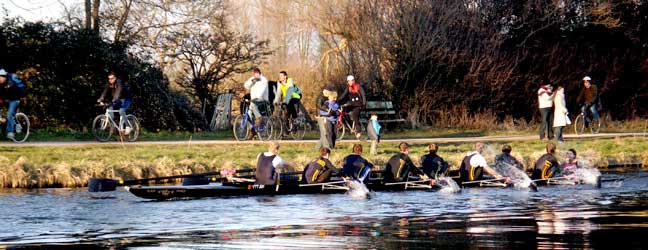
481, 181
107, 185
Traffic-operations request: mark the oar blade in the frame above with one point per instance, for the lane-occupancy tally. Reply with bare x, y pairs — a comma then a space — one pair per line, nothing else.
102, 185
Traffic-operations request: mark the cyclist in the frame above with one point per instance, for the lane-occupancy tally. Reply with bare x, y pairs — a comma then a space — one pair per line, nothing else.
119, 94
11, 90
258, 87
355, 100
288, 94
588, 98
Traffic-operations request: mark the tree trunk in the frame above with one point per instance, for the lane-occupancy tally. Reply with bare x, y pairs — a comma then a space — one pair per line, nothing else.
88, 14
95, 15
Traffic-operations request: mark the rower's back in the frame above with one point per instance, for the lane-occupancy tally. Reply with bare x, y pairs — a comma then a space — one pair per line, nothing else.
265, 171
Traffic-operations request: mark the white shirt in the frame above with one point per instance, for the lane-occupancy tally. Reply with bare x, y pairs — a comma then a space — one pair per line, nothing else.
545, 100
258, 89
277, 161
477, 160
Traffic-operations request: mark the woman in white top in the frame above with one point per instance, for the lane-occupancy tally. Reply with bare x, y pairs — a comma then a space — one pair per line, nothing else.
560, 113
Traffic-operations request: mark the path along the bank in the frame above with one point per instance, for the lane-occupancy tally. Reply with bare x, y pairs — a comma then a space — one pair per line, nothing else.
413, 140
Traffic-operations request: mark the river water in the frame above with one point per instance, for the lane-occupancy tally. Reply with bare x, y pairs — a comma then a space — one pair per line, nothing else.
558, 217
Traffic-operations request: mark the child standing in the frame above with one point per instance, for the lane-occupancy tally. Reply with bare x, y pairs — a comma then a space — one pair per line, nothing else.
373, 130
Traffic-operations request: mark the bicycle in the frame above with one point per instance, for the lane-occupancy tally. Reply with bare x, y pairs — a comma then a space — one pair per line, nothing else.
103, 126
294, 127
345, 122
242, 121
584, 120
21, 127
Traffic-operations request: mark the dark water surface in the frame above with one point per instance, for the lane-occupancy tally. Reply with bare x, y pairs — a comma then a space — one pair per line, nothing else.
564, 217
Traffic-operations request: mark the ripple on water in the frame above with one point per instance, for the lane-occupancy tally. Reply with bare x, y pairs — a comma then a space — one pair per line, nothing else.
561, 217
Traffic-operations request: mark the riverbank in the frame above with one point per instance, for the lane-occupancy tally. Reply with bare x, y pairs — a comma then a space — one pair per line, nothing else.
72, 166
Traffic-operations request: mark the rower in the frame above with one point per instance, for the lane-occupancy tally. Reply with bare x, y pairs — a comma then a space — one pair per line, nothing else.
267, 164
400, 166
432, 164
571, 164
507, 158
474, 165
547, 165
320, 169
355, 166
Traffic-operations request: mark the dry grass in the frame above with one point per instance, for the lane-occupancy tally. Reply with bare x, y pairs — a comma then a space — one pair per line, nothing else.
72, 166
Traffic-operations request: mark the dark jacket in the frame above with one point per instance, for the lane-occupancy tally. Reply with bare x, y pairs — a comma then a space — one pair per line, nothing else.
433, 165
355, 100
117, 91
588, 96
399, 167
13, 89
546, 167
505, 158
354, 166
320, 103
319, 171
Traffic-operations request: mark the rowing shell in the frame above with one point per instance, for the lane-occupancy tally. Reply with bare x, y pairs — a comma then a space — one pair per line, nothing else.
220, 190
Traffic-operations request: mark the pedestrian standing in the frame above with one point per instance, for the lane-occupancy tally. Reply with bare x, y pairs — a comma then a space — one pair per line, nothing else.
373, 130
560, 114
545, 103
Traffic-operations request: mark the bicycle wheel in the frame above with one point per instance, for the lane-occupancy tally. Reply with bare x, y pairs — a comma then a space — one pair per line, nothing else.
278, 128
102, 128
265, 130
133, 122
21, 128
579, 124
341, 129
595, 126
298, 129
240, 128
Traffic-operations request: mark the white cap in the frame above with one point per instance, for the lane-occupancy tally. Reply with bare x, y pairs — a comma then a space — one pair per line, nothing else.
350, 78
3, 72
587, 78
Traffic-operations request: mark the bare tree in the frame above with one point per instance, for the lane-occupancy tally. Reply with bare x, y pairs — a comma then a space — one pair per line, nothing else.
209, 58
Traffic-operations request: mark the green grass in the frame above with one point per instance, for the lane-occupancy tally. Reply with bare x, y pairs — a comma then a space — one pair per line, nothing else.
71, 166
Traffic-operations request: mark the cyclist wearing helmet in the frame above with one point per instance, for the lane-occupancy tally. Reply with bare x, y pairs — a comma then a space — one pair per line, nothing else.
119, 96
355, 99
11, 90
589, 97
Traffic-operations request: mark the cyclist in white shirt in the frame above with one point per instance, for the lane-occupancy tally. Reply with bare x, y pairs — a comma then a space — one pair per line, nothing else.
258, 86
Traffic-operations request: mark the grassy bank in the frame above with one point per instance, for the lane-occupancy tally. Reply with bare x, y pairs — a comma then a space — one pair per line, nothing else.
72, 166
485, 127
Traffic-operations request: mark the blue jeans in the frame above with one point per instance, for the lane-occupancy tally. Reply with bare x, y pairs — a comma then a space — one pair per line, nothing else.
122, 105
593, 110
11, 113
546, 120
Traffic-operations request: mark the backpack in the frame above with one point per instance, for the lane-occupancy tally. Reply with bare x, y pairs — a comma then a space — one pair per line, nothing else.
296, 89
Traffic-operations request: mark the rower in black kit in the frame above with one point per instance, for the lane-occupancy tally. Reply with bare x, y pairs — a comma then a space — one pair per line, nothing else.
400, 166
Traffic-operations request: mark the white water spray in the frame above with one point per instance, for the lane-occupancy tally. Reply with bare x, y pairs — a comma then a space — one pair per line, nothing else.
588, 175
358, 190
448, 185
517, 176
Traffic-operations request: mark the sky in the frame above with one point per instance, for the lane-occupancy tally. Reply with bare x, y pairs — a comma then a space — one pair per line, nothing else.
36, 10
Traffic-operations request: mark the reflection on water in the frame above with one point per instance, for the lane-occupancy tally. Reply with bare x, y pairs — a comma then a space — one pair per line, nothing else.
553, 218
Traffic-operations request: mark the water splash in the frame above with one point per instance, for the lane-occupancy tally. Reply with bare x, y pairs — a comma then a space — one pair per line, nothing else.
588, 175
518, 177
358, 190
448, 185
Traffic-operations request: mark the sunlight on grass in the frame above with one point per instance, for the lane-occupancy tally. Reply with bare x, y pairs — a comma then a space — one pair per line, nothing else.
71, 166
